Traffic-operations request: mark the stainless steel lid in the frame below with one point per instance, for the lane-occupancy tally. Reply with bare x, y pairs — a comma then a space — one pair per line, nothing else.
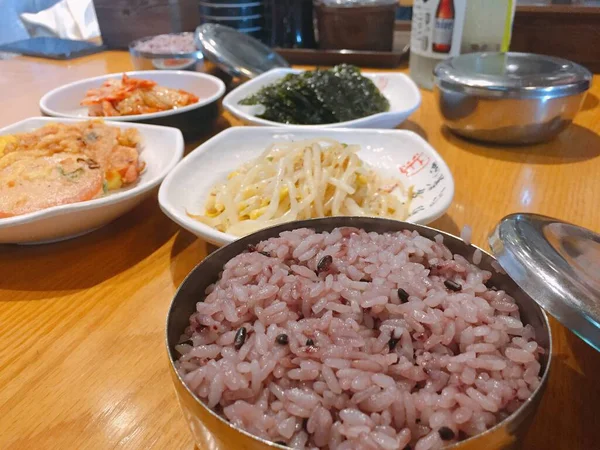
236, 53
557, 264
512, 75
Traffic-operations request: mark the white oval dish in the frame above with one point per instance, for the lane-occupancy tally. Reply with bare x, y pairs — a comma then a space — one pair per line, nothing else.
402, 93
161, 149
399, 153
65, 101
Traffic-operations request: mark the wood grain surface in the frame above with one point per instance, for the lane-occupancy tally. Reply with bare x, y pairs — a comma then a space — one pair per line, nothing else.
567, 31
83, 363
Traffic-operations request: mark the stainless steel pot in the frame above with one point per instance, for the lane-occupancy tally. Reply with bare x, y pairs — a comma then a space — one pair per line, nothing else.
212, 432
509, 98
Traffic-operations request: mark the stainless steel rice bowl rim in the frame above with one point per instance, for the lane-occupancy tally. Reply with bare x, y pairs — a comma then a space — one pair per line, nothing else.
197, 54
330, 223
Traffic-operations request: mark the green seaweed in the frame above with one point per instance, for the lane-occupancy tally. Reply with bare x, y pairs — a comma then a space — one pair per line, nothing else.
319, 97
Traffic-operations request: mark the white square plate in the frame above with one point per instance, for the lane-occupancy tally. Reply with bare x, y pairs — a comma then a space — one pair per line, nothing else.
161, 149
399, 153
398, 88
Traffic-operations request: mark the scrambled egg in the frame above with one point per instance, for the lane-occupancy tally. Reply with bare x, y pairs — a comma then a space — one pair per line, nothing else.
114, 180
4, 141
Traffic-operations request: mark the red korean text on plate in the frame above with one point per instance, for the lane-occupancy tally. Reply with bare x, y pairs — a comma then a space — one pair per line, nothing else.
414, 165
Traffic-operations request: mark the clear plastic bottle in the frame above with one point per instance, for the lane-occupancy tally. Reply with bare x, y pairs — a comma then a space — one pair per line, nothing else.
444, 28
488, 26
436, 34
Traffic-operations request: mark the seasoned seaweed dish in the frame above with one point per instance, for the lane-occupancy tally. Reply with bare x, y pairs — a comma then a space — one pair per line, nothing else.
320, 97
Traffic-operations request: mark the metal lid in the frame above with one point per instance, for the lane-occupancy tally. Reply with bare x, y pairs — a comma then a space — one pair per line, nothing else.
238, 54
557, 264
514, 75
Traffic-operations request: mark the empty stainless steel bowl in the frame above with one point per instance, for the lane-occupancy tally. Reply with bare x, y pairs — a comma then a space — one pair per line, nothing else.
211, 431
509, 98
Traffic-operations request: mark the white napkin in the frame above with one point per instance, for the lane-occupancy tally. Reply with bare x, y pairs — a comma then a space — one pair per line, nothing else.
68, 19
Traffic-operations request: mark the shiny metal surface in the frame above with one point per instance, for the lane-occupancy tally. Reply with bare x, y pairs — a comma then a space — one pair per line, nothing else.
507, 121
212, 432
164, 61
557, 264
512, 75
236, 53
512, 98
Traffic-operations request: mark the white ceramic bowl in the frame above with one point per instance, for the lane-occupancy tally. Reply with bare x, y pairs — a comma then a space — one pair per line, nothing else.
65, 101
162, 148
398, 88
399, 153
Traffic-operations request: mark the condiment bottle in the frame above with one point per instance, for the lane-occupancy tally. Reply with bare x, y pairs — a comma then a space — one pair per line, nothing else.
445, 28
436, 34
488, 26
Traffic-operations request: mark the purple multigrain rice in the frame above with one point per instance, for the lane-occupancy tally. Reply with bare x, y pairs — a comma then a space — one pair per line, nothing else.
239, 338
168, 43
453, 285
446, 433
282, 339
466, 234
362, 368
324, 263
402, 295
477, 257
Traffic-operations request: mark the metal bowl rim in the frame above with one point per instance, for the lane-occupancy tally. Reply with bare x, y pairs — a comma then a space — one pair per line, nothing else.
451, 79
307, 224
547, 93
197, 54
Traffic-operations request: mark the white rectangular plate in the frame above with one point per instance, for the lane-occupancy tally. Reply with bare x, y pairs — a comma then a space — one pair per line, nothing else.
400, 153
398, 88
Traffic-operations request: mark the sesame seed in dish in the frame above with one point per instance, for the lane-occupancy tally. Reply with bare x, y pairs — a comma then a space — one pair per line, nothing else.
168, 43
348, 340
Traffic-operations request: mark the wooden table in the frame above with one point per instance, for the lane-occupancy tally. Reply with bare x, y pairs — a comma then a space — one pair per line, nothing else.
82, 356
